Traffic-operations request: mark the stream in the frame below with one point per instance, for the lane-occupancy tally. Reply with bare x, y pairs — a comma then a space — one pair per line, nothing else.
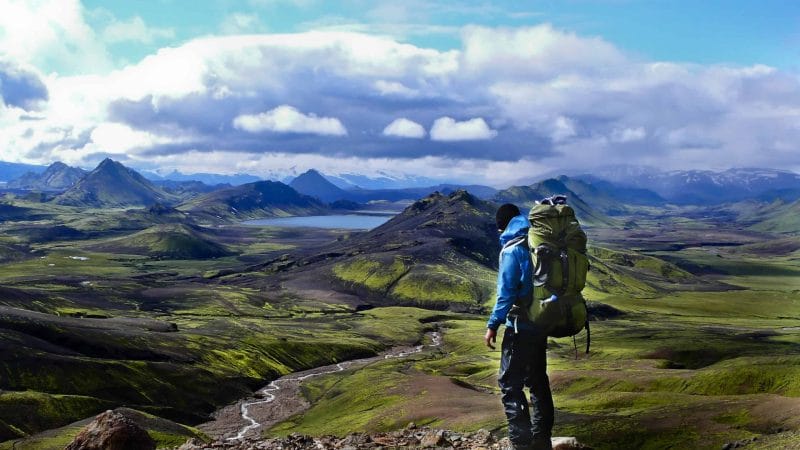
282, 398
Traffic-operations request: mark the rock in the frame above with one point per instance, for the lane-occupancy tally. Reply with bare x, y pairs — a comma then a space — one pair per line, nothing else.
567, 443
482, 436
112, 431
433, 439
192, 444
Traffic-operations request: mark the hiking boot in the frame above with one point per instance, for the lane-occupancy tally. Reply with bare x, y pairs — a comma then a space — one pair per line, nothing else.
541, 444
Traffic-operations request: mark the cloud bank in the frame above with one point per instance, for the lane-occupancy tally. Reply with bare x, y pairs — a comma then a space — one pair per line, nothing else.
286, 119
529, 98
404, 128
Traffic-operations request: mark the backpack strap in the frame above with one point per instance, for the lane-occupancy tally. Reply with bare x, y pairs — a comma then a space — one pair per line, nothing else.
516, 241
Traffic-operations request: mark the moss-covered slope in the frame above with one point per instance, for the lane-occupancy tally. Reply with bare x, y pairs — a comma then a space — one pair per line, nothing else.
174, 241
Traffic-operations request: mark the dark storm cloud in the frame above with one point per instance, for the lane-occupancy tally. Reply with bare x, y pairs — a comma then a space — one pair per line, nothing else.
21, 88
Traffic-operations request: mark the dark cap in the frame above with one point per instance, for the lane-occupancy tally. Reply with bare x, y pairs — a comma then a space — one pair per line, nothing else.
504, 215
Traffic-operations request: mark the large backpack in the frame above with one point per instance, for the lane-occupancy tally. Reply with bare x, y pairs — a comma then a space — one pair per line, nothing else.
558, 252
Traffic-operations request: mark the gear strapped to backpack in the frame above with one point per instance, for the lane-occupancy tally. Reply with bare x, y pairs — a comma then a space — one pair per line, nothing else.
557, 246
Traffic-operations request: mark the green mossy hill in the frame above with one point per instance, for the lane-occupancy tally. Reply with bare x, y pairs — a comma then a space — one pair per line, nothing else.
41, 233
167, 242
780, 218
526, 196
460, 287
166, 433
112, 185
254, 200
41, 411
460, 221
438, 253
615, 272
775, 247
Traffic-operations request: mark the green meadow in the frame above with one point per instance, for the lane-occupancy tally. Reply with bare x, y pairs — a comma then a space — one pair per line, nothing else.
695, 344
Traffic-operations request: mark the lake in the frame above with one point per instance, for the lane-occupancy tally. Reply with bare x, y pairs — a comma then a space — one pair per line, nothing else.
345, 221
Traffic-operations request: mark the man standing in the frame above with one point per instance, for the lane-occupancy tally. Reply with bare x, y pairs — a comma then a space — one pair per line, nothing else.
523, 360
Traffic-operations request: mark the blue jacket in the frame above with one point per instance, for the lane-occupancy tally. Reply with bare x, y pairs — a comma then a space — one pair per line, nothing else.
514, 277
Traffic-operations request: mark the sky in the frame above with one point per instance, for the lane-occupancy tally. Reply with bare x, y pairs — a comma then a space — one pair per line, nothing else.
460, 91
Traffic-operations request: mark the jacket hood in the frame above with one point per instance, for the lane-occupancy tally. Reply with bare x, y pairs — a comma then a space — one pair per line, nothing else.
517, 227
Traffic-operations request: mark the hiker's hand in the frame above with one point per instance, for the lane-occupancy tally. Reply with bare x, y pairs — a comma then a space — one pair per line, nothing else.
490, 338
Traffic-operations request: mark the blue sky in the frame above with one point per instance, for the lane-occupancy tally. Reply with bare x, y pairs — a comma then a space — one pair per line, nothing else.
709, 31
451, 90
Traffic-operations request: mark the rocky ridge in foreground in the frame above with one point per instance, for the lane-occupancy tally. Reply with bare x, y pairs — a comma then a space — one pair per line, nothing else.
411, 437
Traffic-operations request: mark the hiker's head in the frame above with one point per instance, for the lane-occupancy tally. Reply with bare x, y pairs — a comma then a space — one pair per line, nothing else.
504, 215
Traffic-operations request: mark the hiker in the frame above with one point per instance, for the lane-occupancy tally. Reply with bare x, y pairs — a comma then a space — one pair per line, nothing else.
523, 360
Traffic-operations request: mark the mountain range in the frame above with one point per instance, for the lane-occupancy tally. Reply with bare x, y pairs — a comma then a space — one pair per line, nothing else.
111, 184
254, 200
317, 185
57, 177
607, 191
702, 187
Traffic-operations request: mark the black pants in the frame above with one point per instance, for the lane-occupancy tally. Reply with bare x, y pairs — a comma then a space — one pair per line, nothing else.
524, 363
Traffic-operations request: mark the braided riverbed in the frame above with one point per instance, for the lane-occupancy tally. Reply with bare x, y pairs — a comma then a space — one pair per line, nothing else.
282, 398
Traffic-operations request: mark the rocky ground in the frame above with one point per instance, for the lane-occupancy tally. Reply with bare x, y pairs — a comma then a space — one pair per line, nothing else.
411, 437
111, 430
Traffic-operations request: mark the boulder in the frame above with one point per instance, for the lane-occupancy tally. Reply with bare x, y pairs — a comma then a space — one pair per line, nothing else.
112, 431
567, 443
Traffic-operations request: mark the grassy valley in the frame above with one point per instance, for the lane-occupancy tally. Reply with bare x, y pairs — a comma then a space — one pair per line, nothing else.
174, 312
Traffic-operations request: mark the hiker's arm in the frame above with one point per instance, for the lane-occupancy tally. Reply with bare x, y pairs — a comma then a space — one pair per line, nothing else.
508, 281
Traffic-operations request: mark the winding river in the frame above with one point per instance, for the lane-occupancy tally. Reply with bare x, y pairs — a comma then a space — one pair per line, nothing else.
282, 398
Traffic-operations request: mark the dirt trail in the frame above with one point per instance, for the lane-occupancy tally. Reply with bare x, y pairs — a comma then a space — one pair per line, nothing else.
282, 398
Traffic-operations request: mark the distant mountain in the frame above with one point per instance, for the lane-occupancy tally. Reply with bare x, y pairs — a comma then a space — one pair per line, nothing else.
210, 179
621, 195
316, 185
411, 194
186, 190
111, 184
57, 177
254, 200
10, 171
702, 187
586, 212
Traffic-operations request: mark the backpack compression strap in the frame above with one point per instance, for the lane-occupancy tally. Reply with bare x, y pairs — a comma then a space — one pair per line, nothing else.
516, 241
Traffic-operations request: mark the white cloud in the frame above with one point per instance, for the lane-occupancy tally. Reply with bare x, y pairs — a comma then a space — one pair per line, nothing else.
278, 165
447, 129
404, 128
550, 91
393, 88
287, 119
563, 128
135, 30
535, 51
50, 34
624, 135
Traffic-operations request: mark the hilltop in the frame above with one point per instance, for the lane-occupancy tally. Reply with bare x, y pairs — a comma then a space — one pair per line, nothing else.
57, 177
314, 184
175, 241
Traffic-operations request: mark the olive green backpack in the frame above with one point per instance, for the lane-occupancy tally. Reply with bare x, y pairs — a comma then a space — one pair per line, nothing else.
558, 253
